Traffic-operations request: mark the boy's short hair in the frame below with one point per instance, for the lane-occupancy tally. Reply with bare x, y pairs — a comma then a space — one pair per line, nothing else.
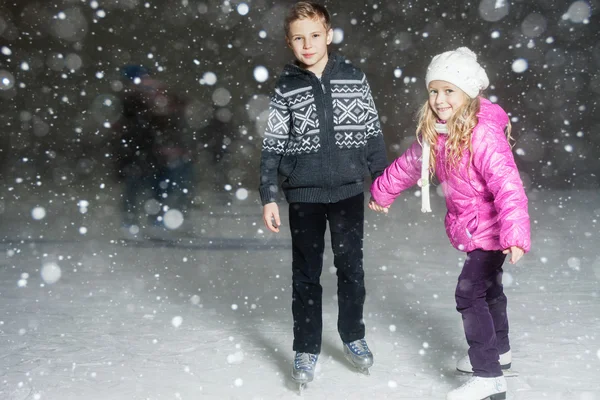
307, 10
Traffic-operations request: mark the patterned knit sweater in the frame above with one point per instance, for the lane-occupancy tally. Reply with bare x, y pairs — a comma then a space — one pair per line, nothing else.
322, 136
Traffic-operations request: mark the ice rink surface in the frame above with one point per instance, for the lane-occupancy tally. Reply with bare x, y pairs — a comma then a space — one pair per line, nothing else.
203, 311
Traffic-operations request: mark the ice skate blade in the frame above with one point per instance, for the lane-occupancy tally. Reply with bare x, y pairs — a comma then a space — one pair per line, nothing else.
508, 373
359, 368
301, 381
503, 367
497, 396
301, 387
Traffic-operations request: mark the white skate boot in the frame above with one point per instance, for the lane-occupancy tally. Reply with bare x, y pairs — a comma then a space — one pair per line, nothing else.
359, 355
464, 364
303, 370
479, 388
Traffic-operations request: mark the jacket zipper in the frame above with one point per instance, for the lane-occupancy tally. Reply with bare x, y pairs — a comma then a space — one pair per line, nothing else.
326, 132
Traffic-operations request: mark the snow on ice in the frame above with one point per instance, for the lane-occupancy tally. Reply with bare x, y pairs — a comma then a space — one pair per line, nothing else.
194, 301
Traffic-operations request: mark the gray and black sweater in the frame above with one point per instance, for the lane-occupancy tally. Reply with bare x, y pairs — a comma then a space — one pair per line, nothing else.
322, 135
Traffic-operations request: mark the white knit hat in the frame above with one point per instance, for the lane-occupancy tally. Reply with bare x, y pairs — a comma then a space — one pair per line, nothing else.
460, 68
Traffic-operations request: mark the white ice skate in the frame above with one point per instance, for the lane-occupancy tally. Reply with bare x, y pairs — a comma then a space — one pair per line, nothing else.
359, 355
464, 365
303, 370
479, 388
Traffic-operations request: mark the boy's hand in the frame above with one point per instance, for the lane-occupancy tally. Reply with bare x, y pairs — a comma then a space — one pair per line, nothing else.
515, 253
271, 217
376, 207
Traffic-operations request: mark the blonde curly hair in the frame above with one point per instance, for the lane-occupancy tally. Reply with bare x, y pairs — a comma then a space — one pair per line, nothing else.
460, 130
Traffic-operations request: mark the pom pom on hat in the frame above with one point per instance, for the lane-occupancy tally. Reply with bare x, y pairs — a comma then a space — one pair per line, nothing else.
460, 68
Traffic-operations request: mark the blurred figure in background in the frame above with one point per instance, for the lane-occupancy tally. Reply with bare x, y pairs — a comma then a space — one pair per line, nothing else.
173, 149
153, 149
134, 146
216, 138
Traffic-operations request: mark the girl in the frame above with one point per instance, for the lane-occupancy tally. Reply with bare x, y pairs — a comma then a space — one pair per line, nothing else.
463, 139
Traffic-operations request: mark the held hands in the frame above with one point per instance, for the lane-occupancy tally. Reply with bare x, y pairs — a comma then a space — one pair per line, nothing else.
515, 253
271, 217
377, 208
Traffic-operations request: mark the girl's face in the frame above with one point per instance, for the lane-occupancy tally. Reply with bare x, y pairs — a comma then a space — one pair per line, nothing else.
445, 98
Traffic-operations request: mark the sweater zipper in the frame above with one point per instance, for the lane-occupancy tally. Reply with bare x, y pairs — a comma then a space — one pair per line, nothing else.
326, 132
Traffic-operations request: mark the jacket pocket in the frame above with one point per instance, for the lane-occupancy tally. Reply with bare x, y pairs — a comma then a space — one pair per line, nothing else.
351, 167
305, 172
461, 233
471, 226
287, 166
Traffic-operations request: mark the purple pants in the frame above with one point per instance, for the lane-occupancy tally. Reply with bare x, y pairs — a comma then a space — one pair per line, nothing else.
481, 301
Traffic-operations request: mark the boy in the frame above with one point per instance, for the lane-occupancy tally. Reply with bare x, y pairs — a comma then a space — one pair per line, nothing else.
323, 133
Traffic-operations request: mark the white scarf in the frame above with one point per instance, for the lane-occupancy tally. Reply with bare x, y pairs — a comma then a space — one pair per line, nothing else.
424, 181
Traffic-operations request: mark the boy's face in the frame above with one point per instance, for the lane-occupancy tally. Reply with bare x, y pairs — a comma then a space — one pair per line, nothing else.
445, 98
308, 39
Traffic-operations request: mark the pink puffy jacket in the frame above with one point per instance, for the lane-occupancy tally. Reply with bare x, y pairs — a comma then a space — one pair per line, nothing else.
487, 206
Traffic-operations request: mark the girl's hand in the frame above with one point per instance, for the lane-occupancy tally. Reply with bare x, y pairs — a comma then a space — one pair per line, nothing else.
377, 208
515, 253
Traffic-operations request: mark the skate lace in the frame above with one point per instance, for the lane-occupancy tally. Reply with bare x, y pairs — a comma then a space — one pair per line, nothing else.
305, 361
359, 347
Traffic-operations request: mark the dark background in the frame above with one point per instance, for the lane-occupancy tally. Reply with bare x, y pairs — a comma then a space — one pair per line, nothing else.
61, 60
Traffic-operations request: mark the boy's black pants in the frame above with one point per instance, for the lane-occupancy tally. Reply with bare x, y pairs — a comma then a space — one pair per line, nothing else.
308, 222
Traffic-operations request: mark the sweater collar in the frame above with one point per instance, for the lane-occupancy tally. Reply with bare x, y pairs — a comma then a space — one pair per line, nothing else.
332, 64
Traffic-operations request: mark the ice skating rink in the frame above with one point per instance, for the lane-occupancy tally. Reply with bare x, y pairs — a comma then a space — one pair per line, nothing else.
203, 312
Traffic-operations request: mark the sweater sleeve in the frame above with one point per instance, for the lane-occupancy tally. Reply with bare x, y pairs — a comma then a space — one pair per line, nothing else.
376, 154
403, 173
273, 147
493, 158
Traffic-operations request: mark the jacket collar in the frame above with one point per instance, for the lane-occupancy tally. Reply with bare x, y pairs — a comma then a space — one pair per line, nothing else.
333, 63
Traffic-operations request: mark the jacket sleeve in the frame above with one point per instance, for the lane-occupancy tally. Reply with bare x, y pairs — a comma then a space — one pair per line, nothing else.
493, 158
403, 173
376, 154
273, 147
